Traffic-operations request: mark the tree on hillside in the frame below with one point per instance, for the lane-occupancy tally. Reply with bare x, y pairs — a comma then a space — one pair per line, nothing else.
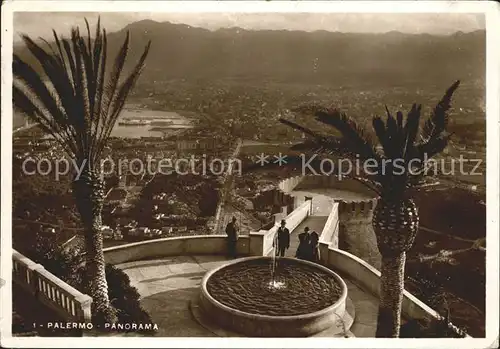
393, 170
75, 100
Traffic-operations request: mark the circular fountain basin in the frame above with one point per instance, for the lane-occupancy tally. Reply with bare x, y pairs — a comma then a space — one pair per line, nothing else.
303, 299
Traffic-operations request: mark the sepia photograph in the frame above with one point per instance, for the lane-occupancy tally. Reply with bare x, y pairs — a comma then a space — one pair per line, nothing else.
269, 173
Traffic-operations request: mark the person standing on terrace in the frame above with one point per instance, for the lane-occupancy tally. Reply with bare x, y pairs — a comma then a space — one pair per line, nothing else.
282, 239
232, 238
304, 245
314, 245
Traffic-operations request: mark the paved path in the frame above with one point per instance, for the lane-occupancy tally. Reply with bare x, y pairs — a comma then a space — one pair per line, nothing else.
315, 223
167, 286
366, 308
226, 189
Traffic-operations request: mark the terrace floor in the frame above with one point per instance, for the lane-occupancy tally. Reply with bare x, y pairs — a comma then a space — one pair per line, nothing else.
170, 286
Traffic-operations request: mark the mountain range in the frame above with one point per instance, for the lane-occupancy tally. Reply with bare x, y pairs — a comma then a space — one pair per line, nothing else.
183, 52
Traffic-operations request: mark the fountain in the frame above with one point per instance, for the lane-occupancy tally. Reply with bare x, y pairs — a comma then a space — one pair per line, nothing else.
274, 266
297, 299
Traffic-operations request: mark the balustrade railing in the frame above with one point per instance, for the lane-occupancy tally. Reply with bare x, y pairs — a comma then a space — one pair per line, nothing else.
56, 294
330, 230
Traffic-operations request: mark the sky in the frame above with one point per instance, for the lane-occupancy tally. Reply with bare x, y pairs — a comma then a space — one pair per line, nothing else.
41, 24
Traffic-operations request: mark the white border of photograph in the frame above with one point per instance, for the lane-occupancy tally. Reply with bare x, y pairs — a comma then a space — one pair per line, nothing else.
492, 15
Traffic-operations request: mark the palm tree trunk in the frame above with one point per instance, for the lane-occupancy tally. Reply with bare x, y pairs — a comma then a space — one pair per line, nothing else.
95, 265
89, 194
391, 297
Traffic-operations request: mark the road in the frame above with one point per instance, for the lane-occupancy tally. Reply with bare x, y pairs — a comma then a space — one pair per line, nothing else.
227, 187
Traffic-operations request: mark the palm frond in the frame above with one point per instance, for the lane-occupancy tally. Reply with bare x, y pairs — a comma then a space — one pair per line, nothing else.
89, 81
81, 91
26, 105
297, 161
321, 144
314, 144
100, 56
404, 132
326, 145
393, 135
55, 72
433, 147
438, 120
76, 113
307, 146
29, 85
49, 46
60, 57
373, 185
121, 96
411, 129
353, 135
66, 44
110, 91
299, 128
380, 131
89, 37
399, 118
111, 87
75, 104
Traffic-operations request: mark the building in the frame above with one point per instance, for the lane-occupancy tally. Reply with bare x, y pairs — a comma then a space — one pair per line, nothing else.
167, 230
109, 234
195, 143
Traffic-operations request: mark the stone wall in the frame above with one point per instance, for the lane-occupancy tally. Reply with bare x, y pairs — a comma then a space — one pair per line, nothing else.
356, 233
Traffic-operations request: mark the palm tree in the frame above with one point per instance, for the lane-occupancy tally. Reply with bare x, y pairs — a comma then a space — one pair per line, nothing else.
75, 100
397, 166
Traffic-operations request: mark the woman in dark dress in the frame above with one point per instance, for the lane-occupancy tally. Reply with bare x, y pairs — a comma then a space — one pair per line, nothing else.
304, 248
314, 243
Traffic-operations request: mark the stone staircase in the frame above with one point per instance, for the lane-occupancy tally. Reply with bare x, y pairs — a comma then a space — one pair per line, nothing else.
315, 223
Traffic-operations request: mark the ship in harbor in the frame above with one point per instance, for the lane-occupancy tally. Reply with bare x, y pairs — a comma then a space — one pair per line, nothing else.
162, 123
133, 123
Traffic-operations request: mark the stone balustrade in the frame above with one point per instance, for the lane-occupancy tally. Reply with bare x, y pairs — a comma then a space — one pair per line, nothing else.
368, 278
330, 232
176, 246
362, 273
65, 300
262, 241
348, 265
256, 244
73, 305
